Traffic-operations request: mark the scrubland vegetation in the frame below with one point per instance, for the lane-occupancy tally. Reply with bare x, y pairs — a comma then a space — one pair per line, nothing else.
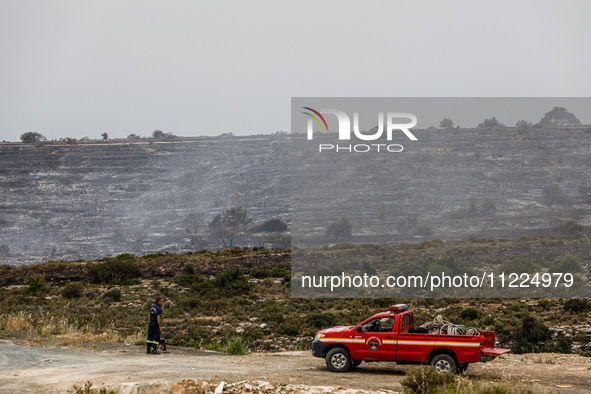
237, 299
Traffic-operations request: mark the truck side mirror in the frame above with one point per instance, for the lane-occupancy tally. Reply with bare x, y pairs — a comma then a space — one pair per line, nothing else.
358, 328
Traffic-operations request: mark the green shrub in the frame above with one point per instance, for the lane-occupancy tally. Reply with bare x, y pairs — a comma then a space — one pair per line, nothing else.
187, 279
233, 282
260, 273
321, 320
563, 344
190, 303
31, 137
72, 290
189, 269
131, 282
214, 345
290, 328
566, 264
279, 273
156, 284
237, 250
113, 295
532, 332
576, 305
115, 270
426, 381
36, 283
496, 389
237, 346
274, 318
469, 314
286, 280
368, 267
201, 284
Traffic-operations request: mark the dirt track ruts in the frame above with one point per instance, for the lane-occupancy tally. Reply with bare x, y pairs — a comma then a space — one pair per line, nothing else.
51, 369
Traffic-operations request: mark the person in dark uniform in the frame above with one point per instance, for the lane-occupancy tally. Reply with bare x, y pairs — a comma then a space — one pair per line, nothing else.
154, 327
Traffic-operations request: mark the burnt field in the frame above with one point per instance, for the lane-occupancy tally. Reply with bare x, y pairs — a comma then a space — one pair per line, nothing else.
94, 199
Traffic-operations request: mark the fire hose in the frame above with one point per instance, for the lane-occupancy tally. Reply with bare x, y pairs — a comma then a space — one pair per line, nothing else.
440, 325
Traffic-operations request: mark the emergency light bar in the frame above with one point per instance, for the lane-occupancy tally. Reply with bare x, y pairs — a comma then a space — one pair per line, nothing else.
398, 308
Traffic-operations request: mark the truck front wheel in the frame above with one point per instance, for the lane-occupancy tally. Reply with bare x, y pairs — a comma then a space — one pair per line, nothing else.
444, 363
338, 360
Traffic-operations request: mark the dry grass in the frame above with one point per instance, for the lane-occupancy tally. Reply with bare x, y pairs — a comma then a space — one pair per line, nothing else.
139, 338
425, 380
18, 321
79, 338
465, 385
539, 358
44, 328
49, 326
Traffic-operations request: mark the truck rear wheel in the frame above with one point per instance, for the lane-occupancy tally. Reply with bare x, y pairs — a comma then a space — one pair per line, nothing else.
338, 360
444, 363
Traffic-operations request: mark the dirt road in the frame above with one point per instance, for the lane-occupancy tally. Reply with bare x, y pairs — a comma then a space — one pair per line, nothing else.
50, 369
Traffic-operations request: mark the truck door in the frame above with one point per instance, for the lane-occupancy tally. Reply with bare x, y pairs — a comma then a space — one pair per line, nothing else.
411, 347
375, 340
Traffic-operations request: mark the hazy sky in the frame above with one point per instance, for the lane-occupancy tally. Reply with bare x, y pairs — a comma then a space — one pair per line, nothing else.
80, 68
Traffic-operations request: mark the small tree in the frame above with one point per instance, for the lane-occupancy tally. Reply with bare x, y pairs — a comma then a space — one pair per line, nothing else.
133, 136
340, 229
446, 123
490, 123
523, 125
157, 134
271, 226
31, 137
559, 116
228, 225
105, 136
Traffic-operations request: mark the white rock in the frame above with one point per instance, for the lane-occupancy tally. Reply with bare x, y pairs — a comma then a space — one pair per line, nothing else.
220, 388
144, 388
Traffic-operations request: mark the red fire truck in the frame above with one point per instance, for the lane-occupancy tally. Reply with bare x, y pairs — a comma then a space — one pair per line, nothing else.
386, 337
